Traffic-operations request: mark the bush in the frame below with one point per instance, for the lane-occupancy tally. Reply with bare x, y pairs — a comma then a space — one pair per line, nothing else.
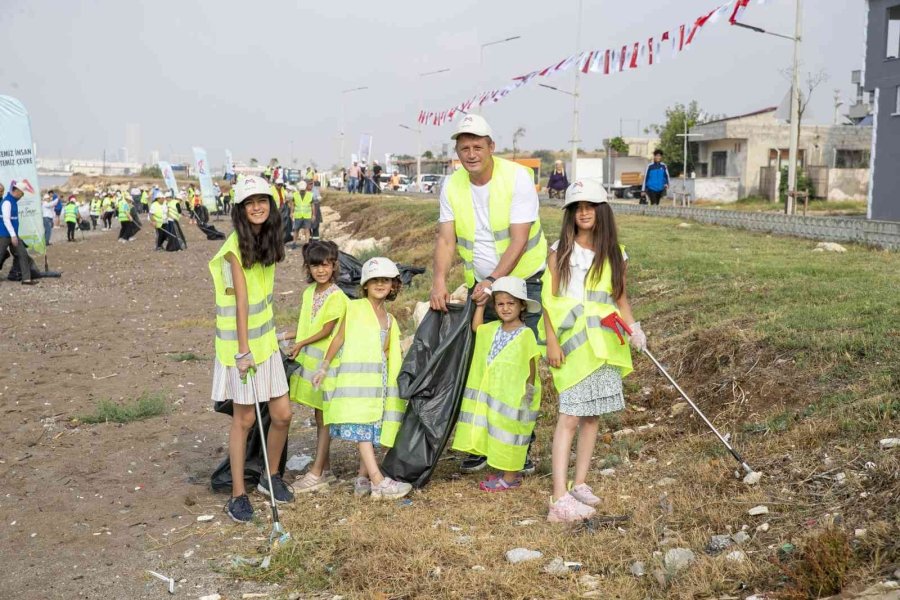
804, 184
144, 407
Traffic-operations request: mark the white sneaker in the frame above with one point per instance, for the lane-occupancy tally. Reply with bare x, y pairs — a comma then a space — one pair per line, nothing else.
389, 489
584, 494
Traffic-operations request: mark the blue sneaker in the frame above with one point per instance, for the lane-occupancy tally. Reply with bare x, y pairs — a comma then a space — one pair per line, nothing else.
283, 492
239, 509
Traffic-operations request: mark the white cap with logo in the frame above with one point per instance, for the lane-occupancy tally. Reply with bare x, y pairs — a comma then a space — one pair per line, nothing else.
473, 125
586, 190
302, 186
516, 287
378, 267
250, 186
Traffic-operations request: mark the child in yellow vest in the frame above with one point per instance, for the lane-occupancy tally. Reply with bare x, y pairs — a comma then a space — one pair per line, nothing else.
586, 315
324, 304
248, 367
503, 393
361, 401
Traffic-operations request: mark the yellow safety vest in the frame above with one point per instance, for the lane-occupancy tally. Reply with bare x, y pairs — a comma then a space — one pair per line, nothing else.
279, 200
96, 204
144, 198
172, 208
497, 415
261, 318
585, 343
502, 184
311, 355
124, 211
70, 212
302, 205
107, 204
156, 213
355, 391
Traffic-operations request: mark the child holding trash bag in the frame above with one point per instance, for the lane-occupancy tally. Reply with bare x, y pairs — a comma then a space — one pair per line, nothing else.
248, 367
586, 313
503, 393
361, 400
323, 306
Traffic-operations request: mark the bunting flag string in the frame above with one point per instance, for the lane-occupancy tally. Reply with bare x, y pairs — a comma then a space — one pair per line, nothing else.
606, 61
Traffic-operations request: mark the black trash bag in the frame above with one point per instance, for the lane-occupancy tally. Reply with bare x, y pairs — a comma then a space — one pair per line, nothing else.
254, 468
351, 274
432, 379
175, 240
210, 231
287, 223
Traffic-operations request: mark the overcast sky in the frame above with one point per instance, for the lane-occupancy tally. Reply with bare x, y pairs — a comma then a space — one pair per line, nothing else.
255, 76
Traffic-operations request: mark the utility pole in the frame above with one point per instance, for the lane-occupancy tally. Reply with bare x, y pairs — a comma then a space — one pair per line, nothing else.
575, 139
686, 135
419, 130
343, 116
795, 115
481, 59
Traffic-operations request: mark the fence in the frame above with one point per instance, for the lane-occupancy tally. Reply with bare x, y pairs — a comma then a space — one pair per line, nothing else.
882, 234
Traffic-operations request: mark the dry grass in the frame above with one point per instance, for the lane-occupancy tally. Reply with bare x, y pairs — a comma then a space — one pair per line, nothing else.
804, 390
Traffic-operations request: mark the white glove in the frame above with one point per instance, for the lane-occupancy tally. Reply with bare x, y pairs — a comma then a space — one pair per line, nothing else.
638, 337
319, 377
281, 336
245, 364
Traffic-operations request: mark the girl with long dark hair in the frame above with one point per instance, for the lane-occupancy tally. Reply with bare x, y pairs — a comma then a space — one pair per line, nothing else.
248, 365
586, 316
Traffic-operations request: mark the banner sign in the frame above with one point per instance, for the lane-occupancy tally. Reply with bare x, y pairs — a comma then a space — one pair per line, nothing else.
17, 163
229, 166
206, 185
169, 176
648, 50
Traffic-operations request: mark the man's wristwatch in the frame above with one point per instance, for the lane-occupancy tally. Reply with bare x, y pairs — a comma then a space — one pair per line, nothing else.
491, 279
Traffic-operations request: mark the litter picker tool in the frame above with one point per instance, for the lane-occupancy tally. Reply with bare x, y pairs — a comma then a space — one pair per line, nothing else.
697, 410
278, 536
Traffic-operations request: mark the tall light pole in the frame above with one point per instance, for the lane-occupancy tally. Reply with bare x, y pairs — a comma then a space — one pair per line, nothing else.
795, 100
344, 93
575, 139
481, 57
574, 124
419, 130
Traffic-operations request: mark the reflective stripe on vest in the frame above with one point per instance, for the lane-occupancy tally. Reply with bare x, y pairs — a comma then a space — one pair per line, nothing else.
302, 205
502, 184
333, 308
357, 394
498, 413
585, 343
261, 317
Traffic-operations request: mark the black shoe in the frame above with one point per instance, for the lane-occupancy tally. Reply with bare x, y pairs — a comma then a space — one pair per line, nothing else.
283, 492
528, 469
472, 463
239, 509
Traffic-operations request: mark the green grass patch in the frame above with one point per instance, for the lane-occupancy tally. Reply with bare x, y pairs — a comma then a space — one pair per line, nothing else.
147, 406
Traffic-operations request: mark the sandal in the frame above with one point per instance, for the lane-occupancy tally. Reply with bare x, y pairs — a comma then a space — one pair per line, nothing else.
498, 484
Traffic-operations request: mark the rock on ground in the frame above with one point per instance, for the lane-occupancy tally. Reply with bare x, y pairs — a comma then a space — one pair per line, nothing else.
678, 559
829, 247
517, 555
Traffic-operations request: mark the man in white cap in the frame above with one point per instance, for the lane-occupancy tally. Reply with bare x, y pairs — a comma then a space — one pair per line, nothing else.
9, 230
489, 213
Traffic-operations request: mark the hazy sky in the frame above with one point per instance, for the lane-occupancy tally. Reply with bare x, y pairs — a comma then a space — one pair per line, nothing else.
255, 76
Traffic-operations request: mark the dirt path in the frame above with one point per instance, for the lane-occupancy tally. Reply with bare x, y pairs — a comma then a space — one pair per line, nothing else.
88, 509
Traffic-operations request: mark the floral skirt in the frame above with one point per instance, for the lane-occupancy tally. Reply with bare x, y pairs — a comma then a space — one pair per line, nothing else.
597, 394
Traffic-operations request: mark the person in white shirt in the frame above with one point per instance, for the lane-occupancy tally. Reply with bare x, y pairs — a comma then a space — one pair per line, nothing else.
48, 212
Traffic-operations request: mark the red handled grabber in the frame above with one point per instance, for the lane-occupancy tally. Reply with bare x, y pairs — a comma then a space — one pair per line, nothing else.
697, 410
614, 322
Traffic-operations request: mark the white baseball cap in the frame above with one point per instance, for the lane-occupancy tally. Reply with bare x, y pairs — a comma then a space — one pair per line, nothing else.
586, 190
378, 267
302, 186
250, 186
474, 125
515, 287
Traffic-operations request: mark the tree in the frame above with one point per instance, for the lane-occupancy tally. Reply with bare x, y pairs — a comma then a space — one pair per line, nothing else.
254, 162
428, 154
669, 142
151, 171
618, 145
519, 133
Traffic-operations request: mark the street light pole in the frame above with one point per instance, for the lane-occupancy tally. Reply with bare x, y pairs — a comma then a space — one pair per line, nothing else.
575, 139
686, 135
481, 58
343, 116
419, 130
795, 116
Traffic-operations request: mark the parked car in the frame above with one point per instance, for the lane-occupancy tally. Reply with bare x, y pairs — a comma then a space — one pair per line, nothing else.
384, 183
428, 181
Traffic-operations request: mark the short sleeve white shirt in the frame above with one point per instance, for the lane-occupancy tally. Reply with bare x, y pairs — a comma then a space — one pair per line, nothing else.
524, 209
580, 262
